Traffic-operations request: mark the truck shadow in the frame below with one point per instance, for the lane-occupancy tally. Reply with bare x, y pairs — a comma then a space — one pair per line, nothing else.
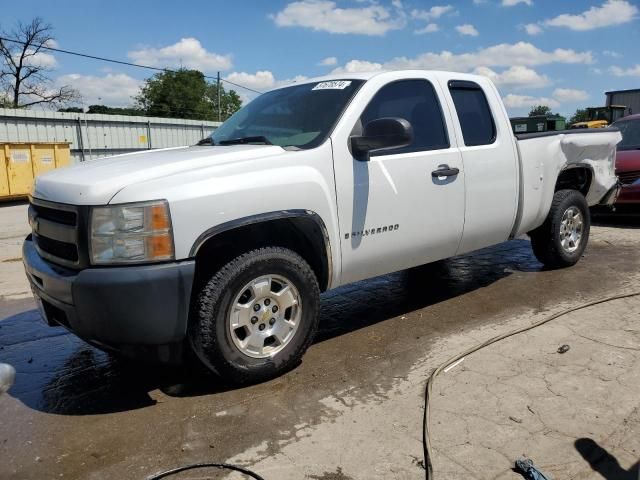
60, 374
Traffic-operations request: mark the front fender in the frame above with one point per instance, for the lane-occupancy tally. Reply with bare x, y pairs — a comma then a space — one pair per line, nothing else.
205, 200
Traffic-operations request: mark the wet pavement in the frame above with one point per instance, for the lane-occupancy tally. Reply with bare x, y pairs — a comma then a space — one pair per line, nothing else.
75, 412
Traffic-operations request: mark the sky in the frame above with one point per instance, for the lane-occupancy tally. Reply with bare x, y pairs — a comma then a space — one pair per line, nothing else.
564, 54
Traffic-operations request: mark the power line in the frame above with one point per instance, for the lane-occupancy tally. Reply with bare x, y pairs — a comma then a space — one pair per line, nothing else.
121, 62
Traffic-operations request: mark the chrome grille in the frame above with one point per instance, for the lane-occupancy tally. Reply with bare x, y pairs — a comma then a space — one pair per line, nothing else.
55, 229
627, 178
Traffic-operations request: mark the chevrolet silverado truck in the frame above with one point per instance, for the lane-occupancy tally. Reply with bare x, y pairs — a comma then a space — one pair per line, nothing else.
222, 249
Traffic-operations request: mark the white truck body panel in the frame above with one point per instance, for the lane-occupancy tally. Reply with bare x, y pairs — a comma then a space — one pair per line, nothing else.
503, 189
394, 190
301, 180
491, 186
543, 158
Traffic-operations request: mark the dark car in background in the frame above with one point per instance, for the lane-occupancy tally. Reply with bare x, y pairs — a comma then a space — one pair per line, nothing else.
628, 160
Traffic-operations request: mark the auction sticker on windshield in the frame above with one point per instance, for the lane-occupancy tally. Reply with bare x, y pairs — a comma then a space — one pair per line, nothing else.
332, 85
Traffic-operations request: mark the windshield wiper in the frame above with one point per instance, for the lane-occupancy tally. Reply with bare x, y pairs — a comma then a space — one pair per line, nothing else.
245, 140
206, 141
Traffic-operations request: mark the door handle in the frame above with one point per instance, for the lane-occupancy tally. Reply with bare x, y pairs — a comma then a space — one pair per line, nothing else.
445, 171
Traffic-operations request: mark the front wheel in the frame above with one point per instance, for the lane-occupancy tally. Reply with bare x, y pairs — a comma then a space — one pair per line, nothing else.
256, 316
560, 241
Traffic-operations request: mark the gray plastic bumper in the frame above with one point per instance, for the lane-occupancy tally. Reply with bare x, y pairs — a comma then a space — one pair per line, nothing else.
133, 305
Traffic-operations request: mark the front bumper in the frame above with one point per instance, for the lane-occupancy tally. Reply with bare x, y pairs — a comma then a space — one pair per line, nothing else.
127, 309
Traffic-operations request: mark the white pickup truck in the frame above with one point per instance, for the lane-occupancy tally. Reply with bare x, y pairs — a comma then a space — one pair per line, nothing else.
223, 248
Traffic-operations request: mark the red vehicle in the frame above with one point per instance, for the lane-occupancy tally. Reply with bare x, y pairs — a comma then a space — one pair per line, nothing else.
628, 160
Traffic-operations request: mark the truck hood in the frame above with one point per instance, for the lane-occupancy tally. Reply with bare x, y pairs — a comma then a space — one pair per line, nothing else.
97, 181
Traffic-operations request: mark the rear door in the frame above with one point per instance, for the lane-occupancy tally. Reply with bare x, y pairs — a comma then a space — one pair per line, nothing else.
490, 162
393, 212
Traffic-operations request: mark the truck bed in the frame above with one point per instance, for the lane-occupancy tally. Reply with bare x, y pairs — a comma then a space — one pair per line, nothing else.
543, 155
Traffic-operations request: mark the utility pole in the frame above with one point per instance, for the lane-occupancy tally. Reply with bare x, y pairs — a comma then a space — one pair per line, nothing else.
219, 106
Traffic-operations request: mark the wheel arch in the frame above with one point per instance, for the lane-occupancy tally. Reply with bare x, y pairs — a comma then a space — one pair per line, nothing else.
302, 231
575, 177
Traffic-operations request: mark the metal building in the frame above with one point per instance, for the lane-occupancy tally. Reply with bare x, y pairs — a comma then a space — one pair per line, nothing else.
95, 135
628, 98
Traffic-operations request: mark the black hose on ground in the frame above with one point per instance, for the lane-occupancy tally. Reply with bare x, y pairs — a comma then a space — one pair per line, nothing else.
426, 438
221, 466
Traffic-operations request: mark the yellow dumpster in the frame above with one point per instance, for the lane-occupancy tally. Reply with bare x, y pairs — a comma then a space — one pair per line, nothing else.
22, 162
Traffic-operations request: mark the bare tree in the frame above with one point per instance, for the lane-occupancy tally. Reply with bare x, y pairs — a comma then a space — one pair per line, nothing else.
25, 67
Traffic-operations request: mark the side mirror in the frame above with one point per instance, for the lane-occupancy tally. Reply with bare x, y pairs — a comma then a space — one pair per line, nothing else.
381, 134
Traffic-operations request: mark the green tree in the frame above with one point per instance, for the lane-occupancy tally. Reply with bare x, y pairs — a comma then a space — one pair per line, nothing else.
185, 94
230, 101
114, 110
581, 115
540, 110
71, 110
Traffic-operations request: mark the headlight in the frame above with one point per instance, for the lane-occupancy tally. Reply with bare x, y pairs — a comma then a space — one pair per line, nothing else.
131, 233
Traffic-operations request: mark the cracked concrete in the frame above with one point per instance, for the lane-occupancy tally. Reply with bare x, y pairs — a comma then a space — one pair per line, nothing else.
589, 392
353, 409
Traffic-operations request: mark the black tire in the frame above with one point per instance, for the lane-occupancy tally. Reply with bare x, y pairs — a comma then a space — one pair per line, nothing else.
546, 239
210, 336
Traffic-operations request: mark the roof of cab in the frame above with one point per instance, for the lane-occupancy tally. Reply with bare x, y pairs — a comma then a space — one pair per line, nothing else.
369, 75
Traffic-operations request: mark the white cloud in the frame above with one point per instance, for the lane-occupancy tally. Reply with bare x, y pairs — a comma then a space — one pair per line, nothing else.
40, 59
502, 55
511, 3
355, 66
569, 95
611, 53
113, 89
428, 28
467, 29
429, 15
626, 72
325, 15
328, 62
188, 53
433, 13
611, 12
558, 97
262, 81
515, 77
526, 101
532, 29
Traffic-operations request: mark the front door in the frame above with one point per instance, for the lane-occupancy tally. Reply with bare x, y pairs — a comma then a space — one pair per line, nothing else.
395, 213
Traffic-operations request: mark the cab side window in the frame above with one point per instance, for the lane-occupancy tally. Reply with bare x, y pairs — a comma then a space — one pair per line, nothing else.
476, 120
417, 102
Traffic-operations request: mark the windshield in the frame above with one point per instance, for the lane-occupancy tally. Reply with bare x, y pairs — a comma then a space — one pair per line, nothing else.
300, 116
630, 130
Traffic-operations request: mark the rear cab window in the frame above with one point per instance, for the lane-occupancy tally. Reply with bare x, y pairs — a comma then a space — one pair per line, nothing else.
474, 114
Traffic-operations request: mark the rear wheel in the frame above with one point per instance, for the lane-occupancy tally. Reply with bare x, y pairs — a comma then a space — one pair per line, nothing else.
256, 316
560, 241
